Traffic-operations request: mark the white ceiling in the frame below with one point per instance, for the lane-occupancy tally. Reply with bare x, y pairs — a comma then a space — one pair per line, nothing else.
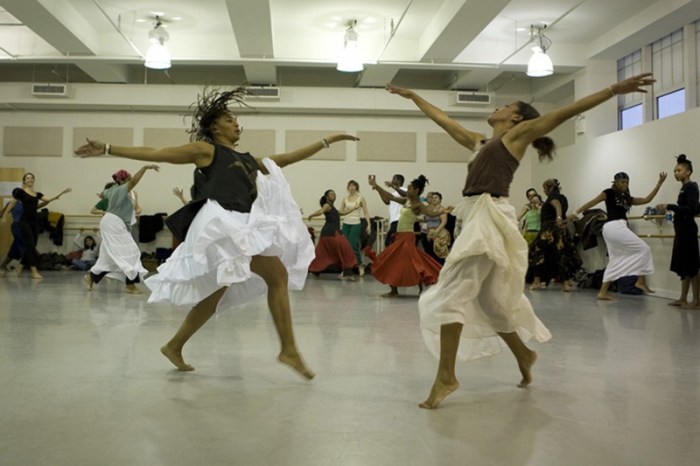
437, 44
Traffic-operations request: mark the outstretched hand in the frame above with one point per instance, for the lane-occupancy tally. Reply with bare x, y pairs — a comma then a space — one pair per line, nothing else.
372, 180
633, 84
662, 178
405, 93
91, 149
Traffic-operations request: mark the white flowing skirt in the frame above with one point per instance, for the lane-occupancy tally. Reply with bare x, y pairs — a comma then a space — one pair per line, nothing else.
481, 284
119, 253
628, 254
220, 244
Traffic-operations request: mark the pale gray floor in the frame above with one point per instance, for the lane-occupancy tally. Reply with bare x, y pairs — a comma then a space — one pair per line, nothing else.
83, 383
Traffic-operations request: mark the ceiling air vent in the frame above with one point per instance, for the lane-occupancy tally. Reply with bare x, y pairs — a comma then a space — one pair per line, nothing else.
50, 90
263, 93
472, 98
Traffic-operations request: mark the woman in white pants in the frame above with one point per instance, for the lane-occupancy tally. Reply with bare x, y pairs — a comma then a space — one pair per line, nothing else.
628, 255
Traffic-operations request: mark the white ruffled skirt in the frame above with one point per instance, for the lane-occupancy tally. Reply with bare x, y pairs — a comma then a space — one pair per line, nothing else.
119, 255
220, 244
481, 284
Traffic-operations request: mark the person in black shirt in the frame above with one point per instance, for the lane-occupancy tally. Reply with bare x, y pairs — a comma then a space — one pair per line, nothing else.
628, 255
243, 233
685, 258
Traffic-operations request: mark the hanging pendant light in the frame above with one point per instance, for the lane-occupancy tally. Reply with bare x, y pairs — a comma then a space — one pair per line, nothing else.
350, 60
158, 55
540, 63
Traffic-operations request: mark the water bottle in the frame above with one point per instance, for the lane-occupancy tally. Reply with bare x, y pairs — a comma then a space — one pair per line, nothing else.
669, 216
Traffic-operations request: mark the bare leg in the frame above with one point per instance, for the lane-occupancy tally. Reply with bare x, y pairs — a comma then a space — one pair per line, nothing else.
603, 293
197, 317
642, 284
391, 294
445, 379
695, 282
685, 287
566, 286
524, 355
273, 272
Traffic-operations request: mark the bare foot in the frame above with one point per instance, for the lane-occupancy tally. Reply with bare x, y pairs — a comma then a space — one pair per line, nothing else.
349, 278
438, 393
295, 362
645, 289
19, 270
525, 365
536, 286
175, 356
678, 303
88, 281
691, 306
391, 294
566, 286
605, 297
362, 270
36, 276
133, 289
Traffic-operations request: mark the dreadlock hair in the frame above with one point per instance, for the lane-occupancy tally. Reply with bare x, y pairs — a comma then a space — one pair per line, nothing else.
544, 146
682, 159
208, 108
419, 183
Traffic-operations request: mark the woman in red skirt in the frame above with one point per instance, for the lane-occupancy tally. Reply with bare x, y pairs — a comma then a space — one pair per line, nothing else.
332, 247
402, 263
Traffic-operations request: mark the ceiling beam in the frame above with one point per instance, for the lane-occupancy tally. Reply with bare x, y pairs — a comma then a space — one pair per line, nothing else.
253, 30
454, 26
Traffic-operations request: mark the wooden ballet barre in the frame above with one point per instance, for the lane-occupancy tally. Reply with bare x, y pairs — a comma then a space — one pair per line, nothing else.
647, 217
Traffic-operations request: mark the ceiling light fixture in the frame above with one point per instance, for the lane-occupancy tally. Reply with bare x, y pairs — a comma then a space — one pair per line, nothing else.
350, 61
158, 56
540, 64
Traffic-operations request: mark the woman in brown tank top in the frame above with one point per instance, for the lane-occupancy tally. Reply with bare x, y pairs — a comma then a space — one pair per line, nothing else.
468, 295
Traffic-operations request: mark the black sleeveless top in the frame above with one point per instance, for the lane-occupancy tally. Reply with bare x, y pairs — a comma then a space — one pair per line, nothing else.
332, 224
548, 214
229, 180
617, 204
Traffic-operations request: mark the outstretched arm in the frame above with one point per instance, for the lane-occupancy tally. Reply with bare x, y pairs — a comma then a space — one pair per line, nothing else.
8, 208
139, 174
463, 136
518, 138
44, 200
652, 194
596, 200
322, 210
199, 153
282, 160
386, 196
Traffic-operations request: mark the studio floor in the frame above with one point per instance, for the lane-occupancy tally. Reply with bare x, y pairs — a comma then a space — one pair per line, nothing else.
83, 383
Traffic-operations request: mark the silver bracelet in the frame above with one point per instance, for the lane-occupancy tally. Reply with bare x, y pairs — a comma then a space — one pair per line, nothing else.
325, 143
108, 147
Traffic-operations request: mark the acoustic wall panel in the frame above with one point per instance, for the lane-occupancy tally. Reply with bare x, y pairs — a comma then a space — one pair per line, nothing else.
24, 141
259, 142
385, 146
296, 139
165, 137
442, 148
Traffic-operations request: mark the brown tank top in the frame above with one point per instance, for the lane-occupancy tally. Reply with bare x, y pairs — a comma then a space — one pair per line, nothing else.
491, 171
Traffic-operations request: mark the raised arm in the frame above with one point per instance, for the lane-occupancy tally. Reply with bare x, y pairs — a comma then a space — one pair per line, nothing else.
518, 138
180, 195
139, 174
8, 208
199, 153
652, 194
463, 136
596, 200
289, 158
386, 196
45, 201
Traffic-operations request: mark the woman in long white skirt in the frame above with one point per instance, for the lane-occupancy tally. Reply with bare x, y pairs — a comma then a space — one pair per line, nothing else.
243, 233
480, 288
628, 254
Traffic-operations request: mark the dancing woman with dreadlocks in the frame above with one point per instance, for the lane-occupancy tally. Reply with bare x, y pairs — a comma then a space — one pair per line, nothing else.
246, 237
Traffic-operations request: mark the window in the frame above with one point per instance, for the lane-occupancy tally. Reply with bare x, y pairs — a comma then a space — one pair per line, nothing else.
631, 117
670, 104
629, 105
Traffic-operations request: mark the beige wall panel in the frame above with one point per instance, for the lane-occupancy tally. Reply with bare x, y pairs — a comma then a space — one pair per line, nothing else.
259, 142
442, 148
25, 141
296, 139
165, 137
384, 146
114, 136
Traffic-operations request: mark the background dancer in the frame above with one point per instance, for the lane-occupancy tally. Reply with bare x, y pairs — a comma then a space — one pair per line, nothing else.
628, 254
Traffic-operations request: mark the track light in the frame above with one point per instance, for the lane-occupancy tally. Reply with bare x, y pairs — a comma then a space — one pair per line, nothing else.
350, 61
158, 56
540, 64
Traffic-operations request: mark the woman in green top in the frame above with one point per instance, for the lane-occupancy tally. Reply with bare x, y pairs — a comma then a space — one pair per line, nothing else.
533, 218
